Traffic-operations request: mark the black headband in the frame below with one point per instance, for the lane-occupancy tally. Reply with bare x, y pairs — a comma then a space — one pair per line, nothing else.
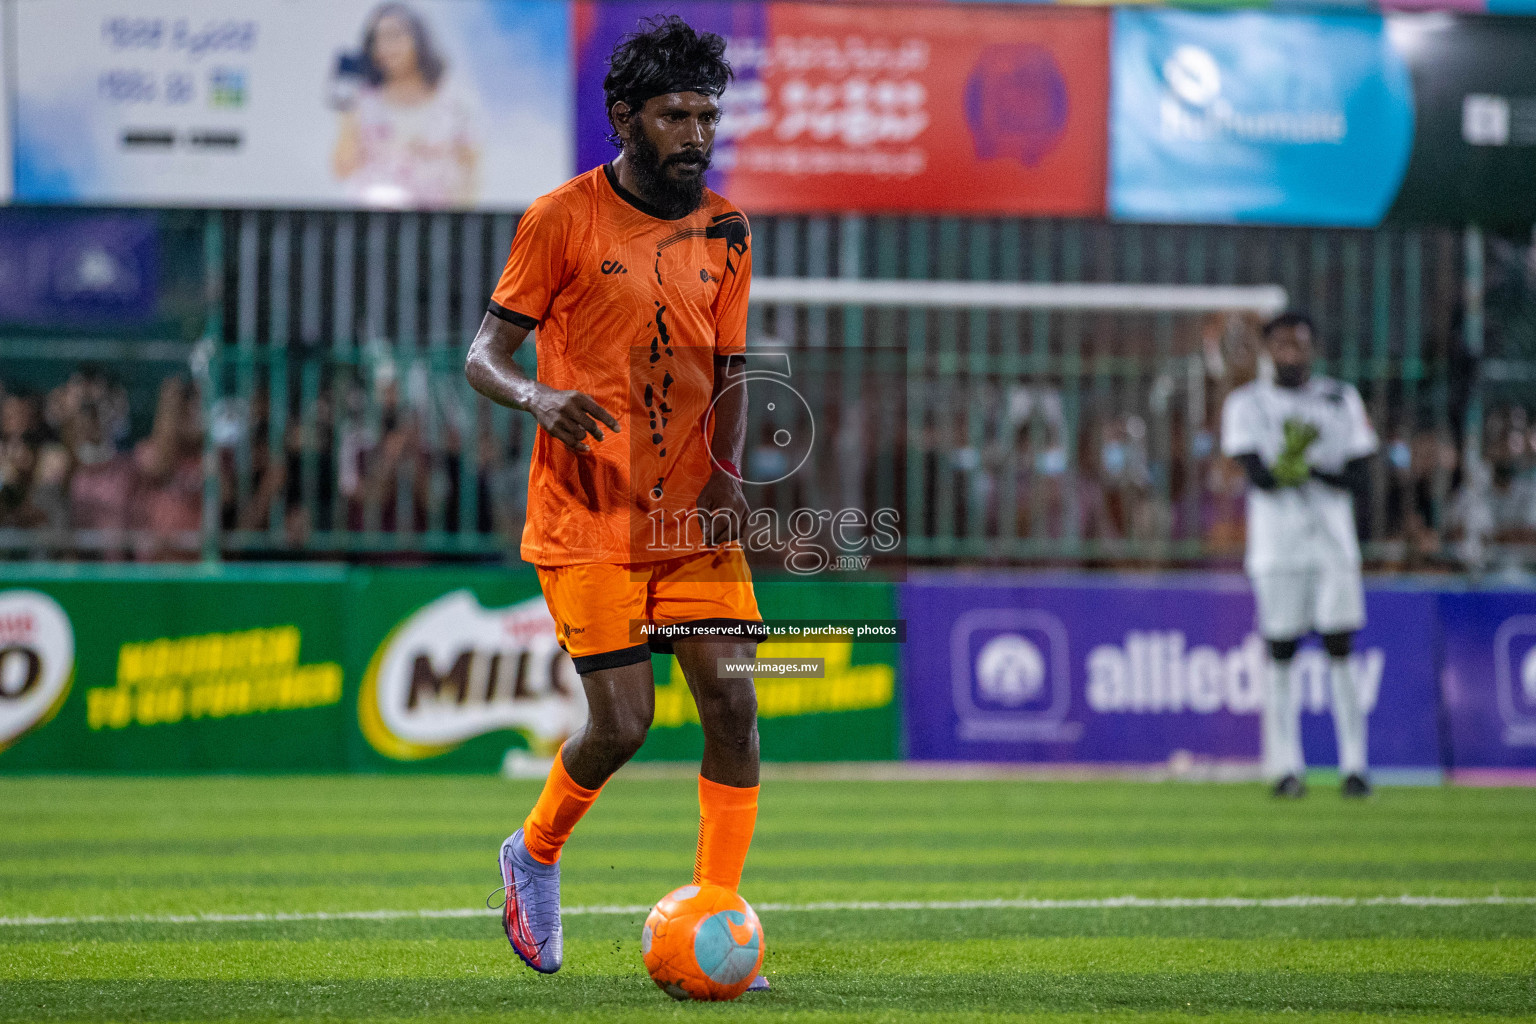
636, 97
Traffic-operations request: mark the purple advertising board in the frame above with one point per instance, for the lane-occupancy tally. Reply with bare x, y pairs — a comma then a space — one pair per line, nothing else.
79, 269
1088, 672
599, 27
1488, 679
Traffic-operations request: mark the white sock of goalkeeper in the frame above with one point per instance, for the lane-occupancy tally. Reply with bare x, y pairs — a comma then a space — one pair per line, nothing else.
1348, 719
1282, 724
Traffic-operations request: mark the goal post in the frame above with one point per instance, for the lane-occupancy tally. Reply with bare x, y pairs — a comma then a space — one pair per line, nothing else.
1039, 421
1265, 299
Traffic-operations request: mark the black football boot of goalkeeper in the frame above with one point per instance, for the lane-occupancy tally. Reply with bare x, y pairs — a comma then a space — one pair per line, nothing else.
1290, 788
1355, 787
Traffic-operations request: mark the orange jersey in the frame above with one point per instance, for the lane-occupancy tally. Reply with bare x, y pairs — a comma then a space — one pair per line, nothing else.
632, 309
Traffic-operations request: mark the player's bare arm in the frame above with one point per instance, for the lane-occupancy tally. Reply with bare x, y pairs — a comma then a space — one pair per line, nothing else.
568, 416
1355, 477
727, 445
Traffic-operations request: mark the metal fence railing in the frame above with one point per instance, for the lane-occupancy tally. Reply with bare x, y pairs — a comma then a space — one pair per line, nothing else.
323, 413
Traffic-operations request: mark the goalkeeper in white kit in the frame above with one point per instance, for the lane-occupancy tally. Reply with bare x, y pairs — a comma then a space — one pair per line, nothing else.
1305, 444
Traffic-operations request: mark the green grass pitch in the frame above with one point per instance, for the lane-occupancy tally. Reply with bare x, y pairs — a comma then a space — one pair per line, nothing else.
120, 849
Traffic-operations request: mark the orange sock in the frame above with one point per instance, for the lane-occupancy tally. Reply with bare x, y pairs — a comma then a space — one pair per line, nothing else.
560, 807
726, 817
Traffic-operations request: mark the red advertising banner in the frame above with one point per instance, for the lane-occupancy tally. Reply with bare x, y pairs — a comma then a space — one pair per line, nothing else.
927, 108
935, 108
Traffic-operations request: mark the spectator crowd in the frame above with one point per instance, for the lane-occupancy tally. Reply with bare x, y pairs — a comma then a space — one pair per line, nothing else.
370, 470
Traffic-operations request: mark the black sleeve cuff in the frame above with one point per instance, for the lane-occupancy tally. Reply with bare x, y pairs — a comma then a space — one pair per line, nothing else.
612, 659
512, 316
1258, 474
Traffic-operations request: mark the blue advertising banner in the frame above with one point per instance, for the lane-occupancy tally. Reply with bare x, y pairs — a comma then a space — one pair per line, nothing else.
1099, 673
66, 270
1489, 678
1253, 116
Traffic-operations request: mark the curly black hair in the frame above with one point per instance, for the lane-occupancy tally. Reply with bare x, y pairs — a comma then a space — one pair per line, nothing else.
664, 55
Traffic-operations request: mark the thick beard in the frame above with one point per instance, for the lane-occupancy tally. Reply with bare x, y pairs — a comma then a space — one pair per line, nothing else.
1292, 376
673, 199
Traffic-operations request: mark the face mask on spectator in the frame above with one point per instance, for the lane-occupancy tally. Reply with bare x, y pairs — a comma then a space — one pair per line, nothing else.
92, 454
1113, 458
1051, 462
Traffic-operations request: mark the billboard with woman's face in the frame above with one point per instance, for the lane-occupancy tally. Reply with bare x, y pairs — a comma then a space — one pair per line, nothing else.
404, 104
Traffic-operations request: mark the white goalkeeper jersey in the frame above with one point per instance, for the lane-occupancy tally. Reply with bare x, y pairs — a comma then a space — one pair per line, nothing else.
1311, 526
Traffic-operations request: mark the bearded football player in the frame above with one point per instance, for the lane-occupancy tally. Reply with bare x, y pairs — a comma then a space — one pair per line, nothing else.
1305, 444
635, 278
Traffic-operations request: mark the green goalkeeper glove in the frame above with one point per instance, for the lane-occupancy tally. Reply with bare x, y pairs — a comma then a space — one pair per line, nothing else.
1291, 468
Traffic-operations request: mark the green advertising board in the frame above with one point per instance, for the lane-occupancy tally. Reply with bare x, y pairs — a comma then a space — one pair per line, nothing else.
850, 715
121, 670
332, 669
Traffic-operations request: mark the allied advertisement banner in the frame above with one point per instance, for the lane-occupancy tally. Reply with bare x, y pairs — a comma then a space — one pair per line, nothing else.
1097, 673
1254, 116
423, 104
156, 675
60, 270
1474, 149
920, 108
1489, 678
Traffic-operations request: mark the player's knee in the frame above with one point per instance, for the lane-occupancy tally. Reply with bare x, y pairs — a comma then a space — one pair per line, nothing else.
1282, 650
730, 708
1338, 645
622, 734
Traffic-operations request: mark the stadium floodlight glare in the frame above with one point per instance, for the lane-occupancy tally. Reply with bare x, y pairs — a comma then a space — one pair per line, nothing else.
1265, 299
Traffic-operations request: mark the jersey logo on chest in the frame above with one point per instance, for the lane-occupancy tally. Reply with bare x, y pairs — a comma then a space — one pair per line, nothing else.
733, 228
668, 242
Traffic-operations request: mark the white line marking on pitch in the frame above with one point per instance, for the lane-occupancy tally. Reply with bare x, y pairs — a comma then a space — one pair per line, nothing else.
1111, 903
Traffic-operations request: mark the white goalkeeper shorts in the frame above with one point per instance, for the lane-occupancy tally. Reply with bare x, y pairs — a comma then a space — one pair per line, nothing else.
1294, 602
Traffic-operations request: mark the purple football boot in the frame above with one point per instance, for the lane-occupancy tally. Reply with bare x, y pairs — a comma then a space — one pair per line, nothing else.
531, 914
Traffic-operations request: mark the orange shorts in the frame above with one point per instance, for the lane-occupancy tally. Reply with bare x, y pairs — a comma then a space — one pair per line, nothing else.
600, 608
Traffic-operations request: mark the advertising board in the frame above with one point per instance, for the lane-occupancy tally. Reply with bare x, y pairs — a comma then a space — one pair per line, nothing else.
171, 675
80, 268
1489, 679
1474, 146
430, 104
372, 670
1254, 116
1138, 674
887, 108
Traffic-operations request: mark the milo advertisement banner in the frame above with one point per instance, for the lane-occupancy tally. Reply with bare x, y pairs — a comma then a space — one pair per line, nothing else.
290, 669
462, 671
454, 669
37, 661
